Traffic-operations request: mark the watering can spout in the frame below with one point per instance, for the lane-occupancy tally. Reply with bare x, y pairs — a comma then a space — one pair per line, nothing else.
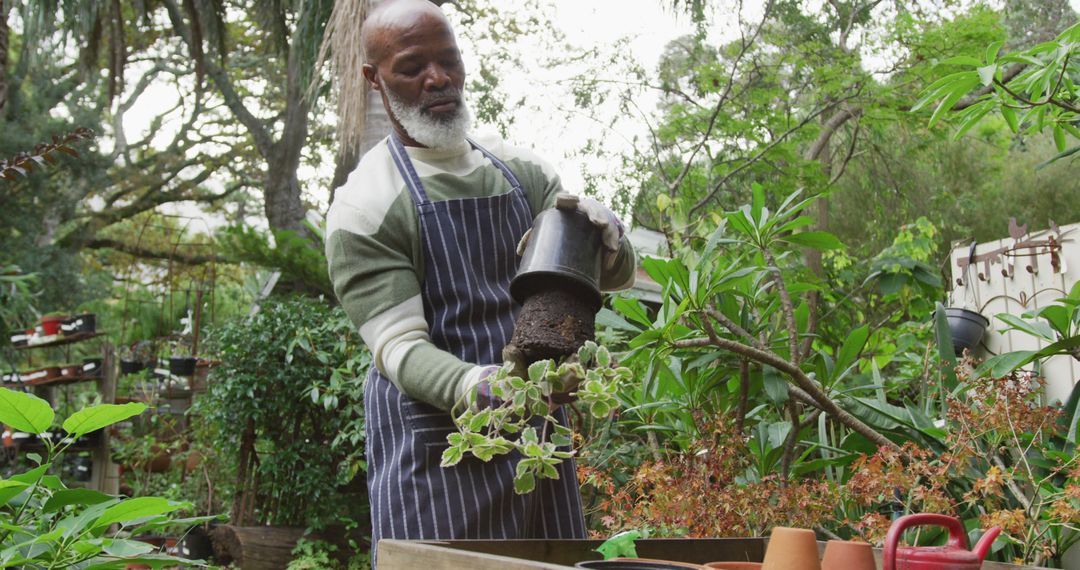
982, 548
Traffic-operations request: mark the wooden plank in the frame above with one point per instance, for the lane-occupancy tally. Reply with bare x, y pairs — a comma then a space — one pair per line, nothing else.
562, 554
570, 552
410, 555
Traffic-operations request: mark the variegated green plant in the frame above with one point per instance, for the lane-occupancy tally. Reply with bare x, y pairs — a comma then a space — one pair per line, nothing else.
523, 421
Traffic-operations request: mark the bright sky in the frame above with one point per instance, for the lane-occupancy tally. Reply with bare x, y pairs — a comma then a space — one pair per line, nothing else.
550, 132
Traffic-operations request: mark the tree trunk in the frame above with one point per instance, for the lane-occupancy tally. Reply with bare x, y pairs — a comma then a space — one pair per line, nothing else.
270, 548
4, 7
376, 127
281, 190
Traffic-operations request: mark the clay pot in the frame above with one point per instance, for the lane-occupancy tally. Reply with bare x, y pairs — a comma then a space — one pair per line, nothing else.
637, 564
194, 459
734, 565
791, 549
848, 555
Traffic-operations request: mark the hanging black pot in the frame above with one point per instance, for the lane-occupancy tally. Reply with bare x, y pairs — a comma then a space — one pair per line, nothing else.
181, 365
966, 327
131, 366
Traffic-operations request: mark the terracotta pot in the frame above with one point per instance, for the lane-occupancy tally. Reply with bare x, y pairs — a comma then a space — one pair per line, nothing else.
734, 565
41, 375
791, 549
848, 555
194, 459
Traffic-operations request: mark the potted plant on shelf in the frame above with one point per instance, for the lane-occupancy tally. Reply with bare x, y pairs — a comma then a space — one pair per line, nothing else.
181, 362
136, 356
50, 323
83, 323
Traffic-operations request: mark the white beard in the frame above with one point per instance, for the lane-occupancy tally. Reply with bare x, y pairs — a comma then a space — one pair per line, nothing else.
427, 130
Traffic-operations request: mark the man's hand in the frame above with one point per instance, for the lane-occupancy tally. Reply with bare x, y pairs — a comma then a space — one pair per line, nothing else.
601, 217
611, 228
568, 383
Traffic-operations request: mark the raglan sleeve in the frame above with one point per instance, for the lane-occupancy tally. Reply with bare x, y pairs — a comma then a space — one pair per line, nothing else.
371, 254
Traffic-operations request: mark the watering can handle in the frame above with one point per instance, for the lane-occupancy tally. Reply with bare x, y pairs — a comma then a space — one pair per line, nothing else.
957, 535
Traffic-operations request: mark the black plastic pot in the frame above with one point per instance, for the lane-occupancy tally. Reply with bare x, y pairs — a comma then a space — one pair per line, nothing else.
966, 328
20, 339
181, 365
84, 323
565, 246
91, 367
131, 366
635, 564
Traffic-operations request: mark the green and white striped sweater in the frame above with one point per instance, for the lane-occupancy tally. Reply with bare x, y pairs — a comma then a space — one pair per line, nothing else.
377, 264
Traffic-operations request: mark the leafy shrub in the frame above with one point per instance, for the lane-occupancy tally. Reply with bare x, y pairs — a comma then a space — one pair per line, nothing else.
286, 404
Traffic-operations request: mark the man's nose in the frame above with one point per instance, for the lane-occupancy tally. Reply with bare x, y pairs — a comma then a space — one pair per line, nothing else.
437, 78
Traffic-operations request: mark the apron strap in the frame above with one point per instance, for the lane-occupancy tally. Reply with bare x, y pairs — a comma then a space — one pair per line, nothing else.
509, 174
412, 179
405, 167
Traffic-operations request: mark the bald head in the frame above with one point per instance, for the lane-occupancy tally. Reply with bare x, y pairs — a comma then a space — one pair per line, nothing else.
386, 23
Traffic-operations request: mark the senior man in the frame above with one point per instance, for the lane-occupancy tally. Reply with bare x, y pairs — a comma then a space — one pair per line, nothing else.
421, 247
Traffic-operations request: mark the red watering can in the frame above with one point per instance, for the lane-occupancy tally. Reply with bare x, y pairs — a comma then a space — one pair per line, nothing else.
953, 556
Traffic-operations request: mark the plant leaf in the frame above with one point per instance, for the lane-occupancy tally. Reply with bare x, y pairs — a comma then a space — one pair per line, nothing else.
25, 412
136, 508
814, 240
65, 497
94, 418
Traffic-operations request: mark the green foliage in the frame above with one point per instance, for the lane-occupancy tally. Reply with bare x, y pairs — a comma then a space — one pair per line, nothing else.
593, 377
298, 258
46, 524
291, 376
1033, 89
1057, 324
320, 555
620, 545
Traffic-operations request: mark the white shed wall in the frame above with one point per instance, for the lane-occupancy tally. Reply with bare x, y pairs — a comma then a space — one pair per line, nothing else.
1010, 280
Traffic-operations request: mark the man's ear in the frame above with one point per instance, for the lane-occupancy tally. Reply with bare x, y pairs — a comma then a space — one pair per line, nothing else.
371, 73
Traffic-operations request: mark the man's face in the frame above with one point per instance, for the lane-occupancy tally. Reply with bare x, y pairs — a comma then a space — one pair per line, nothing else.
421, 78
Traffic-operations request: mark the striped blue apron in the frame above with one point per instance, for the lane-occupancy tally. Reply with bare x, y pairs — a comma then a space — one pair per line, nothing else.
469, 259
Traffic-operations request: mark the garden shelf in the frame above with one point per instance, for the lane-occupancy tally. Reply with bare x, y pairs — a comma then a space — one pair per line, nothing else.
62, 380
61, 340
563, 554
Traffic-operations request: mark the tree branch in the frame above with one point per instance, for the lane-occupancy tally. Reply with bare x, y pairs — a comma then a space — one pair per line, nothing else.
802, 381
757, 156
1006, 77
255, 127
148, 253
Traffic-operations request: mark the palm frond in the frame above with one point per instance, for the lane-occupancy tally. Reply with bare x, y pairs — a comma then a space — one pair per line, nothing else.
343, 48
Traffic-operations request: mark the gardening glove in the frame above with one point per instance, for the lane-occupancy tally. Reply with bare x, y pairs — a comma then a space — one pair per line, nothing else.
480, 396
603, 218
570, 382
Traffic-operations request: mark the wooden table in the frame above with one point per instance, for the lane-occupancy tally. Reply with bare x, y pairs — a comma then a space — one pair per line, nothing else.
563, 554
